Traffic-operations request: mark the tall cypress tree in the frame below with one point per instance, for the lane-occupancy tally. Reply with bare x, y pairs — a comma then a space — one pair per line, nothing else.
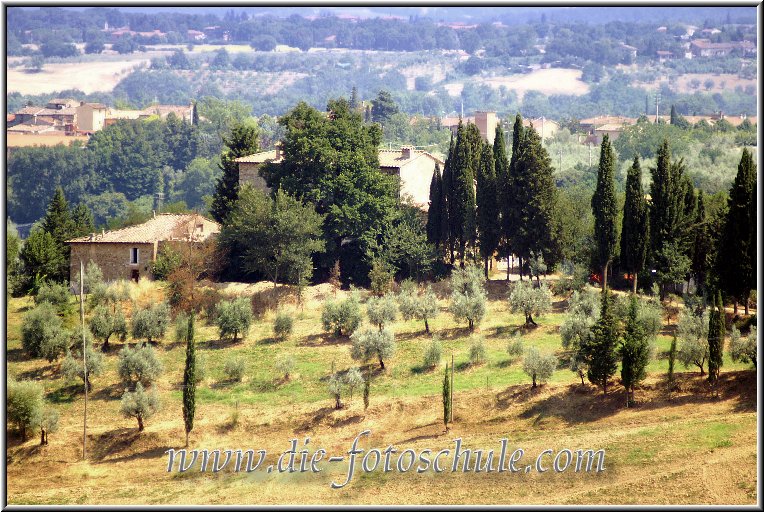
462, 203
448, 230
716, 332
515, 192
605, 209
702, 244
488, 215
599, 349
446, 398
635, 352
503, 191
736, 261
241, 142
434, 212
189, 379
635, 226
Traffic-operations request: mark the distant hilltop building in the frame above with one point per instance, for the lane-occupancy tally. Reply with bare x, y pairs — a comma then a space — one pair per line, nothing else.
414, 167
486, 122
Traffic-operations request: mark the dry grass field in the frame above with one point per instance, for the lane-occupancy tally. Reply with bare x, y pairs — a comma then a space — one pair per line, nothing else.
546, 81
684, 83
689, 447
91, 76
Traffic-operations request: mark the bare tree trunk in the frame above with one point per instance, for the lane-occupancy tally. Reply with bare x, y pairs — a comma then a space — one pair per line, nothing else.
509, 265
734, 305
747, 297
634, 284
381, 363
43, 437
604, 276
140, 424
426, 326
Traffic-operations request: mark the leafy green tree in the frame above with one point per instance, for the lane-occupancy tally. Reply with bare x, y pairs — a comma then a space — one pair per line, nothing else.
56, 294
634, 352
487, 201
242, 141
42, 333
743, 349
700, 265
383, 107
692, 330
150, 323
468, 296
716, 333
530, 300
138, 365
283, 325
422, 306
599, 350
463, 169
370, 344
539, 367
105, 323
72, 367
334, 386
432, 354
575, 330
189, 379
381, 310
58, 222
636, 225
24, 405
605, 209
139, 404
179, 60
736, 259
353, 379
673, 265
343, 317
234, 317
274, 236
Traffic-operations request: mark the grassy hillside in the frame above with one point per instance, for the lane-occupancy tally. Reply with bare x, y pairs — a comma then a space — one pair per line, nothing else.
687, 447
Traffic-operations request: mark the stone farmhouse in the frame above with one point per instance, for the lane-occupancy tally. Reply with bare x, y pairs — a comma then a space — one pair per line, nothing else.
128, 253
414, 168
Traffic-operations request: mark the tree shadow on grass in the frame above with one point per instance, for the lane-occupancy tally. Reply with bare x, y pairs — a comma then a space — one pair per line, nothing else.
312, 422
322, 340
110, 392
65, 394
454, 333
219, 343
15, 355
117, 445
50, 371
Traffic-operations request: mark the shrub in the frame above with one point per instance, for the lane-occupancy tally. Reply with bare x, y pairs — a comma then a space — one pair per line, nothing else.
72, 367
102, 294
284, 365
692, 331
209, 300
530, 300
342, 318
381, 310
283, 325
539, 367
138, 365
105, 323
477, 352
24, 405
743, 349
413, 305
151, 323
515, 348
42, 334
56, 294
140, 404
369, 344
233, 369
468, 297
353, 379
234, 317
432, 354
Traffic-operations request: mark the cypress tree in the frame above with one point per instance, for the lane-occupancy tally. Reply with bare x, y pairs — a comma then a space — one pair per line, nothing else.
448, 230
462, 203
671, 361
354, 103
599, 349
195, 115
736, 260
635, 226
82, 220
503, 191
446, 398
435, 210
673, 116
514, 191
702, 245
605, 209
635, 353
366, 389
58, 218
716, 332
241, 142
189, 379
488, 217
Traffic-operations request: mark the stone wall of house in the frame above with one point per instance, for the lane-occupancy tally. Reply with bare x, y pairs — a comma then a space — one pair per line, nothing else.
249, 173
415, 180
113, 258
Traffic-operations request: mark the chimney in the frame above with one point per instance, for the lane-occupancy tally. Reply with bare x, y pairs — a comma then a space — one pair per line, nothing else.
406, 152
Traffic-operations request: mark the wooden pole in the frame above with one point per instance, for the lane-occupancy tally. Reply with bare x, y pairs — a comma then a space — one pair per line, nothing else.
84, 360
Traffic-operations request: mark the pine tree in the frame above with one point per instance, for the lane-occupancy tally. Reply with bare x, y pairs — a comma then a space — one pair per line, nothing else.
736, 260
82, 220
241, 142
716, 332
635, 352
435, 210
189, 379
635, 226
605, 209
58, 219
488, 216
503, 191
195, 115
354, 103
599, 349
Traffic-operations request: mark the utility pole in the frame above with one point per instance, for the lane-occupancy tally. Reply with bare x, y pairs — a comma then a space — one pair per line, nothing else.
84, 361
657, 102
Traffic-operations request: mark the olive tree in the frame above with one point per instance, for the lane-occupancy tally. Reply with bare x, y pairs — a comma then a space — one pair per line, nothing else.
138, 365
56, 294
42, 333
530, 300
140, 404
234, 317
369, 344
381, 310
342, 317
151, 323
468, 296
334, 386
539, 367
72, 365
105, 323
24, 405
353, 379
693, 336
743, 349
284, 365
416, 305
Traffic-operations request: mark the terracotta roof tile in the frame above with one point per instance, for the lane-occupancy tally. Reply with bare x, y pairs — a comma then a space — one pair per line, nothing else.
165, 226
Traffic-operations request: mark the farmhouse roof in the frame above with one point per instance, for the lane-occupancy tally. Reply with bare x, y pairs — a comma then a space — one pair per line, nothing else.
259, 158
164, 110
163, 227
603, 120
97, 106
397, 158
